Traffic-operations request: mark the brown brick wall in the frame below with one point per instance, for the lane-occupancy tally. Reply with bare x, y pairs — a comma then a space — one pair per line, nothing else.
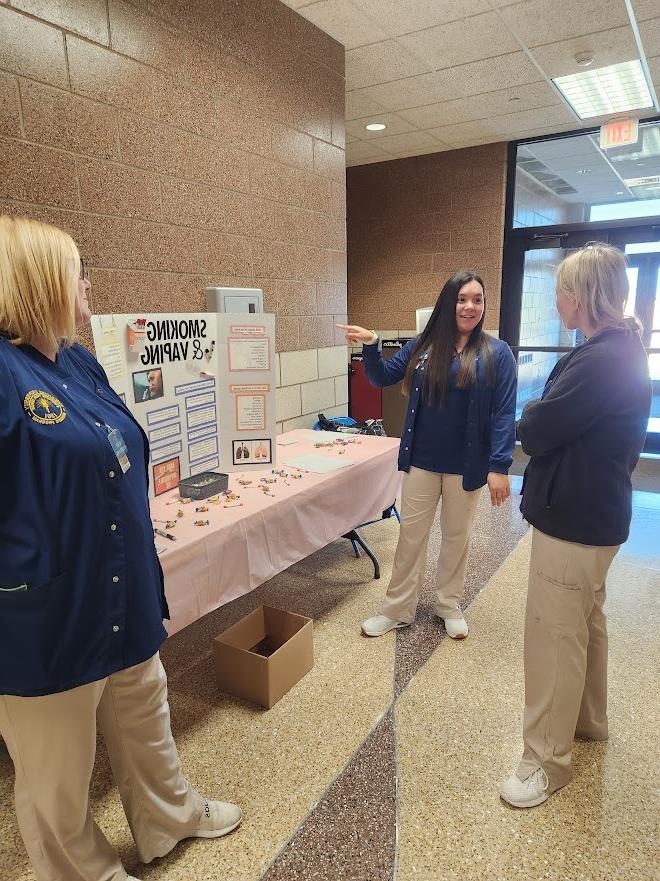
413, 222
182, 144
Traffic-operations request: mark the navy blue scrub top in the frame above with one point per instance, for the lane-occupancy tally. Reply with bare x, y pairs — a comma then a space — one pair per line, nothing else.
81, 587
489, 435
439, 441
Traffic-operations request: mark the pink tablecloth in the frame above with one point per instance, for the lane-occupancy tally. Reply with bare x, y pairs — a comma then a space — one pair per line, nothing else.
244, 546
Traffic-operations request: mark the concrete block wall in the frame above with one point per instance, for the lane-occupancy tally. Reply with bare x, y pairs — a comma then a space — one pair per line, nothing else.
309, 382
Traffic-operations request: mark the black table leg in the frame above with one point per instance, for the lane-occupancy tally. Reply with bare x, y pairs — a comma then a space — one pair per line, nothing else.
356, 539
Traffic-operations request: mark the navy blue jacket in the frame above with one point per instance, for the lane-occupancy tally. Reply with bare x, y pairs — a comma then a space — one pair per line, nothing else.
490, 437
584, 436
81, 587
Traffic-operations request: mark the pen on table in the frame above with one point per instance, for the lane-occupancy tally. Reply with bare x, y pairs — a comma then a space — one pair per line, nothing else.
164, 534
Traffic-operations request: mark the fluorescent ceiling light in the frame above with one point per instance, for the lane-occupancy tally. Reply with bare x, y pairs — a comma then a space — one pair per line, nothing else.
376, 126
606, 90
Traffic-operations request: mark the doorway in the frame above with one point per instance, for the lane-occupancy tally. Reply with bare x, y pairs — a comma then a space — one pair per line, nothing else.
529, 320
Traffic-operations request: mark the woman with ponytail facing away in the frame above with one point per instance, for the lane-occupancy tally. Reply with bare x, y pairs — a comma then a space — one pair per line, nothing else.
458, 435
584, 437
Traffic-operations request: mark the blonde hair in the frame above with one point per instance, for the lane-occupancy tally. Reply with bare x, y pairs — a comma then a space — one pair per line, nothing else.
595, 278
39, 268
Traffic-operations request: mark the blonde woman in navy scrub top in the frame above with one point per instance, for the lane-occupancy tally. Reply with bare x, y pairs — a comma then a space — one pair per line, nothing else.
458, 435
81, 588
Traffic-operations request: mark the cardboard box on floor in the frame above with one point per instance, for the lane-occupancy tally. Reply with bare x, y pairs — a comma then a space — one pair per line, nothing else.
263, 655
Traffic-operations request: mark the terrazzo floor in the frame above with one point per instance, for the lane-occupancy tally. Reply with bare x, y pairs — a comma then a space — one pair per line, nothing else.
383, 762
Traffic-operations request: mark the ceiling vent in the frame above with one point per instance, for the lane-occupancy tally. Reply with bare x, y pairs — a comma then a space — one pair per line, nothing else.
543, 174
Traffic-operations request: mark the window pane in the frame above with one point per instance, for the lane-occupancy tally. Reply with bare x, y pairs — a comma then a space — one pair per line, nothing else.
571, 180
632, 273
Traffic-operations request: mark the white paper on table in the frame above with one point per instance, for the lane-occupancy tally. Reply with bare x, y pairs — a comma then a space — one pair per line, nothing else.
285, 441
318, 464
323, 435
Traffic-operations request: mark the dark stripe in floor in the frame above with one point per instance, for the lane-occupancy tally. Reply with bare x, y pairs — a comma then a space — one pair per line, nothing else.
351, 834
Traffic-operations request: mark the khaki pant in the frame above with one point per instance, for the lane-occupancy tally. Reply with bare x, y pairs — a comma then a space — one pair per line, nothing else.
52, 742
421, 491
565, 654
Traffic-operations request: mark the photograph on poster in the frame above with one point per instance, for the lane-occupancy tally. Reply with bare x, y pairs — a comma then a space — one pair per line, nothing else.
252, 451
148, 385
166, 475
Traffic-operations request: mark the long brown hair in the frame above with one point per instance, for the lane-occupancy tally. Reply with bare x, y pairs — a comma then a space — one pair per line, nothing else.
439, 339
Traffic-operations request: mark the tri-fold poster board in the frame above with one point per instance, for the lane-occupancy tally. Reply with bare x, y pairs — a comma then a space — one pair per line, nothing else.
201, 385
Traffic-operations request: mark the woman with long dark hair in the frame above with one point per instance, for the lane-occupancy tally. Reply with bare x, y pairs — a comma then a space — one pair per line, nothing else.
459, 434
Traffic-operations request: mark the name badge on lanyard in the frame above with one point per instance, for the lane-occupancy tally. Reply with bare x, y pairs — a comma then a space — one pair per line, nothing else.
119, 448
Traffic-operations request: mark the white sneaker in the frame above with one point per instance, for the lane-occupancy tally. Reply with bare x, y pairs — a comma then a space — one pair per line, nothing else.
219, 818
381, 624
457, 628
526, 793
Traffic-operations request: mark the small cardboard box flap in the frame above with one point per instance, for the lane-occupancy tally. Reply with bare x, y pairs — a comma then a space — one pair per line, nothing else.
246, 632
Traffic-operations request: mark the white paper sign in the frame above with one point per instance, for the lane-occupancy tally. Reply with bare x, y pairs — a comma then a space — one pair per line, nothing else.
249, 354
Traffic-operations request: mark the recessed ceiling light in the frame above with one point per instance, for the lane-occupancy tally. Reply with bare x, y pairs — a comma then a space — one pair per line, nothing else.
620, 193
606, 90
376, 126
583, 171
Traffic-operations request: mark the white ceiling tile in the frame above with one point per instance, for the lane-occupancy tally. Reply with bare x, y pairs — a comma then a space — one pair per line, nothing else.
649, 31
548, 130
512, 123
462, 131
490, 74
459, 42
509, 127
437, 148
360, 150
482, 106
361, 103
413, 15
396, 125
607, 47
380, 63
446, 112
409, 92
537, 22
345, 22
408, 142
644, 9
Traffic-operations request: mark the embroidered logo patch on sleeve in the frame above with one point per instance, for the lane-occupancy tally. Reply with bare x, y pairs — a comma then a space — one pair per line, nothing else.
44, 408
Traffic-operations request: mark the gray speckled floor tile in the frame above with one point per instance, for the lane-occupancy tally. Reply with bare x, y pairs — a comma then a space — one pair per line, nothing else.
305, 823
351, 832
459, 727
496, 533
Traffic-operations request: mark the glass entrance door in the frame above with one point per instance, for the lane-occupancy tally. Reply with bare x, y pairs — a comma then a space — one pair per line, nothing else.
534, 329
644, 272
